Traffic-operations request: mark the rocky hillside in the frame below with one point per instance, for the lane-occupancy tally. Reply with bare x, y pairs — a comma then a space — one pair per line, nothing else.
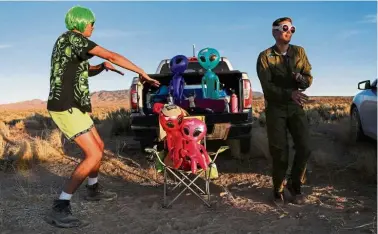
100, 98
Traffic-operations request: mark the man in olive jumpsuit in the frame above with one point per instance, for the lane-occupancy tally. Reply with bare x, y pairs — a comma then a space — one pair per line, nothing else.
285, 72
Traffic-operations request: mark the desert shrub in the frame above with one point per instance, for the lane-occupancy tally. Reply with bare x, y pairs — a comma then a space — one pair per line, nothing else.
313, 116
37, 120
118, 121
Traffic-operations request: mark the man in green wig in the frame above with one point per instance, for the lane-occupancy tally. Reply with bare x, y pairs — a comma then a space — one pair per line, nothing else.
285, 72
69, 106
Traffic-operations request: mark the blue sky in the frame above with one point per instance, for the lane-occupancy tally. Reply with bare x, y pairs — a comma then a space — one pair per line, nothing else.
339, 38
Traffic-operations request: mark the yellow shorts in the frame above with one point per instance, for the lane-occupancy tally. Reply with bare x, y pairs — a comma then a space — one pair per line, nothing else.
72, 122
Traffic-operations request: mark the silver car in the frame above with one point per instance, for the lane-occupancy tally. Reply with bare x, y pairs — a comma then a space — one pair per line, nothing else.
363, 111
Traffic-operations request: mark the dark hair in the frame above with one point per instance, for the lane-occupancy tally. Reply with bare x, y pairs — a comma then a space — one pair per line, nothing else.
279, 20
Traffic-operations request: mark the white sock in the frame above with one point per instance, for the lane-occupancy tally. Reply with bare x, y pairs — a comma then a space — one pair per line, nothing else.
65, 196
92, 181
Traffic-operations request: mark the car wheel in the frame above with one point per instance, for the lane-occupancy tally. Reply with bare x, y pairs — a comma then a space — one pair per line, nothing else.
356, 131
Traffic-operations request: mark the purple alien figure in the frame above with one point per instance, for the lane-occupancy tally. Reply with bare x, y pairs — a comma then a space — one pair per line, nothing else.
178, 65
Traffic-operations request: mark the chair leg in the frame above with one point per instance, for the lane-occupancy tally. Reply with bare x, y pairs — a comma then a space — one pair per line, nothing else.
195, 185
207, 181
187, 186
165, 189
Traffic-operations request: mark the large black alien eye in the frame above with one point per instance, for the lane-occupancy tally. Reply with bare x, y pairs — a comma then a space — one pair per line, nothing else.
170, 124
196, 132
203, 59
179, 60
186, 131
213, 57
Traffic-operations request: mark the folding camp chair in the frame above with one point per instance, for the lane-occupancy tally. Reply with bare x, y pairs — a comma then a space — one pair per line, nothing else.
184, 176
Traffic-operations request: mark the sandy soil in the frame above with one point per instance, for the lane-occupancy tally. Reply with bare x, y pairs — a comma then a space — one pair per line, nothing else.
340, 199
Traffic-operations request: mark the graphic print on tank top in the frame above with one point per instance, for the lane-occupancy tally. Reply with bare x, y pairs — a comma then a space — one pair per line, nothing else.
69, 73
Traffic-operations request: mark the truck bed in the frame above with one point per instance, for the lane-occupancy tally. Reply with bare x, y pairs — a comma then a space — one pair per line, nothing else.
228, 125
229, 79
222, 124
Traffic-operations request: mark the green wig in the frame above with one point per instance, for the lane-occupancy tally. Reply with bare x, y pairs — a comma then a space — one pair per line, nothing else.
78, 18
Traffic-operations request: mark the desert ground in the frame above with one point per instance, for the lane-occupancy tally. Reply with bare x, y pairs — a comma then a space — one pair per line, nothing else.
35, 160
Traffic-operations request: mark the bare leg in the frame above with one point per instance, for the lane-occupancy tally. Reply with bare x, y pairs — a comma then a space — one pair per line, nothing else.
100, 143
93, 154
95, 191
61, 214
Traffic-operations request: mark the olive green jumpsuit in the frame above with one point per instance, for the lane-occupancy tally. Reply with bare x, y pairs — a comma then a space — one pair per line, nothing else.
275, 74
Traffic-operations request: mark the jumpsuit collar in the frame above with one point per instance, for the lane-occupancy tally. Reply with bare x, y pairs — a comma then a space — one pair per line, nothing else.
289, 51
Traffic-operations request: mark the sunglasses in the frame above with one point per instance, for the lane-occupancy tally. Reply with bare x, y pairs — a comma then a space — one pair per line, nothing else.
285, 28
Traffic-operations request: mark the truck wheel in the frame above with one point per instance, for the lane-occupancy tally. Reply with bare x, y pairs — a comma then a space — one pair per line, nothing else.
143, 145
234, 145
245, 145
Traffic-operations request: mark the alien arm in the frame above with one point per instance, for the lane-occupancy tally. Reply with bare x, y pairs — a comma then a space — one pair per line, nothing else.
95, 70
181, 88
270, 90
204, 152
217, 88
305, 80
203, 82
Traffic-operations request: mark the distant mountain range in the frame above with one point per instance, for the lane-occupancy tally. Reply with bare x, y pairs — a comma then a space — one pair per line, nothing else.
99, 98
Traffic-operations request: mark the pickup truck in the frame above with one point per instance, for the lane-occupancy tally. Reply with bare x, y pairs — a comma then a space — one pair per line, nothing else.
234, 128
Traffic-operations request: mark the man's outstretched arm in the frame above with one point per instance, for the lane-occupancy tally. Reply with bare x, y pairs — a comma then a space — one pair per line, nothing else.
116, 59
123, 62
95, 70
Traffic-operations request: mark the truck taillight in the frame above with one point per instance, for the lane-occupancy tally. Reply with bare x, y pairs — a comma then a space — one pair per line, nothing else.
134, 97
247, 94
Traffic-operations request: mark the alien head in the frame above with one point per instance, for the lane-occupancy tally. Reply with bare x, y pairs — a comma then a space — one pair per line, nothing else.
208, 58
171, 117
193, 129
178, 64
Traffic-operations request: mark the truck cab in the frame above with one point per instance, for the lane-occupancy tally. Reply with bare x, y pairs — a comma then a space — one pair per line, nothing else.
234, 127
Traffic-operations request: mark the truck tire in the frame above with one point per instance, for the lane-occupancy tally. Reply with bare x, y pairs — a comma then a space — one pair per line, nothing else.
143, 145
245, 145
234, 145
146, 144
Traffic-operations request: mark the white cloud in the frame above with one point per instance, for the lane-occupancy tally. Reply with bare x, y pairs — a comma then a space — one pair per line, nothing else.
4, 46
348, 33
108, 33
369, 19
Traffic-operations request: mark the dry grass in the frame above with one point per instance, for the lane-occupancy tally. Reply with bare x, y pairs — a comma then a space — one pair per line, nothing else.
322, 109
332, 149
29, 137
